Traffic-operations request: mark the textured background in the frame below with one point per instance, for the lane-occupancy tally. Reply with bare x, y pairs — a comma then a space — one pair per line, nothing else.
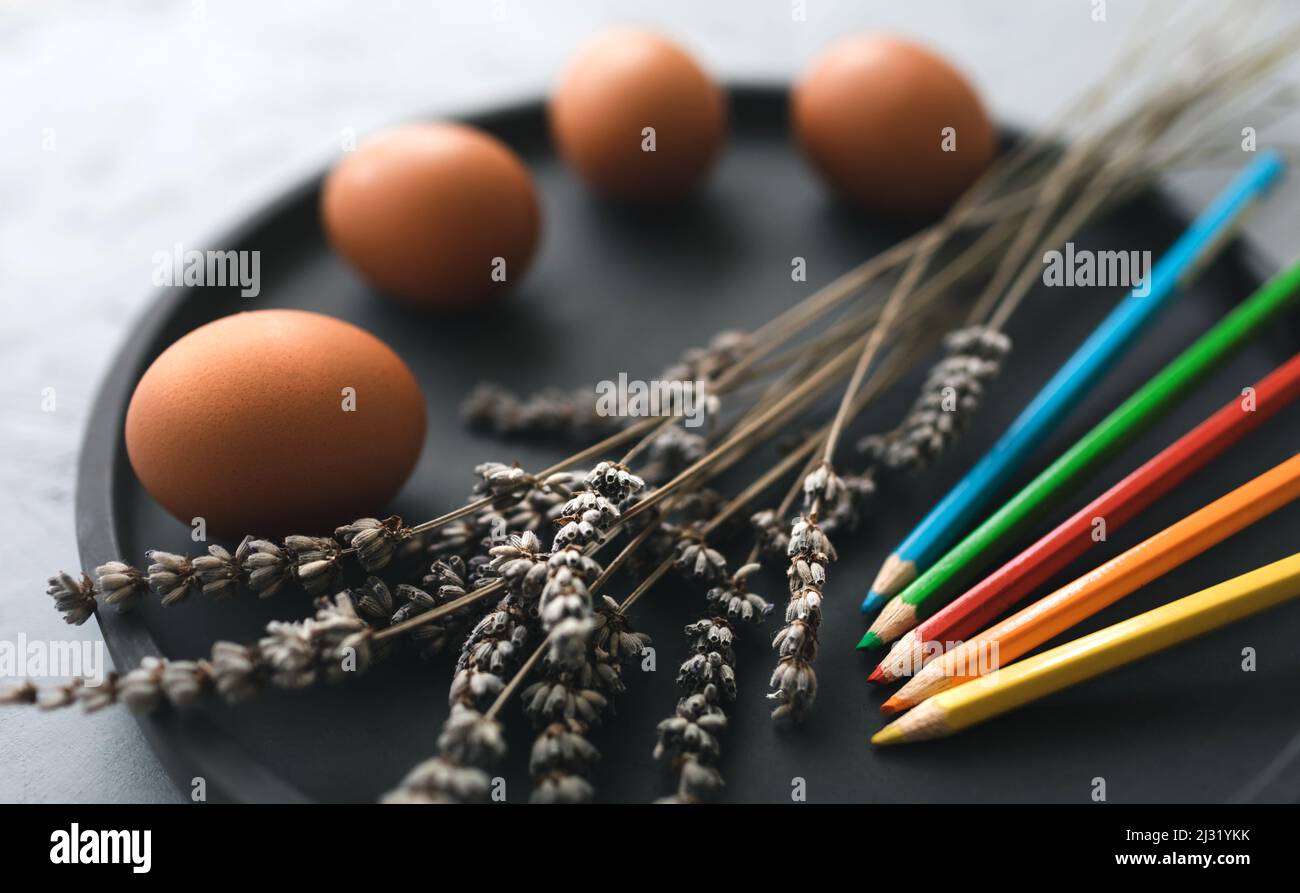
170, 120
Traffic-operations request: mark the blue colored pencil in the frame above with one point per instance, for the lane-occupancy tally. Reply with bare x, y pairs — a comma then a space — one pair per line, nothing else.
954, 513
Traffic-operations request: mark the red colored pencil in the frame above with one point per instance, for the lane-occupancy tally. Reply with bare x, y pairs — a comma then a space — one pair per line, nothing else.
1020, 576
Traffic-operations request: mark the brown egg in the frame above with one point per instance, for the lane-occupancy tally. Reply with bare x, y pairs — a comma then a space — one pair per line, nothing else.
441, 215
244, 423
617, 86
870, 114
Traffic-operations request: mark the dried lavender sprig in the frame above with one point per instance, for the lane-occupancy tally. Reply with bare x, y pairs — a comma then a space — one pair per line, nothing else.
563, 758
690, 738
565, 702
772, 534
551, 591
520, 500
74, 597
570, 699
468, 743
567, 707
333, 644
459, 772
494, 646
584, 519
952, 392
672, 451
794, 682
575, 415
261, 566
547, 413
447, 582
314, 563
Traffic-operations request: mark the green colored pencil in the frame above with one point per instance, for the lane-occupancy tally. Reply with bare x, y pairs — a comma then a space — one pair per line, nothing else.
1157, 396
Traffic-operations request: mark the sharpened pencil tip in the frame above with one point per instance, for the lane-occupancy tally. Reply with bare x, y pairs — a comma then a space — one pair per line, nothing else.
869, 640
890, 734
873, 602
877, 676
895, 705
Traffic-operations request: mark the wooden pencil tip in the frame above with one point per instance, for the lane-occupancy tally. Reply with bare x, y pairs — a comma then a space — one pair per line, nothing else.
890, 734
877, 676
895, 705
873, 602
870, 640
894, 576
895, 618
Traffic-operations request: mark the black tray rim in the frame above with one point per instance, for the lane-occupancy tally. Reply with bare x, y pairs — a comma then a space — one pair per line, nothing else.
198, 747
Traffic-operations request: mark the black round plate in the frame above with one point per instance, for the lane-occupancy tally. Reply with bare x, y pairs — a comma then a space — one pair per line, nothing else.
618, 291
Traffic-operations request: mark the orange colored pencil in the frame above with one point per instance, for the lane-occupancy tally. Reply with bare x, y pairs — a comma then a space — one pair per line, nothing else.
1103, 586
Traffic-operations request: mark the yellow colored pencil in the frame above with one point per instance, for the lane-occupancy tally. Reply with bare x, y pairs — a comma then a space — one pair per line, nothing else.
1071, 663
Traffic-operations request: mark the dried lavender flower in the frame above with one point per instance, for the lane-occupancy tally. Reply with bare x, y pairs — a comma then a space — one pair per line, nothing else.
316, 562
698, 782
700, 561
612, 635
493, 648
565, 595
171, 576
521, 563
509, 485
375, 541
22, 693
576, 414
499, 479
219, 572
822, 487
846, 514
468, 744
771, 534
690, 739
374, 601
269, 568
561, 762
550, 412
457, 538
672, 451
575, 690
950, 395
724, 350
614, 481
794, 681
290, 654
74, 597
471, 738
334, 643
563, 695
157, 681
733, 599
343, 640
713, 663
446, 578
236, 671
120, 583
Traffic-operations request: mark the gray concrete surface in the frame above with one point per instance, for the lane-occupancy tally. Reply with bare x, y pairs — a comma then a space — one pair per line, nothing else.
128, 126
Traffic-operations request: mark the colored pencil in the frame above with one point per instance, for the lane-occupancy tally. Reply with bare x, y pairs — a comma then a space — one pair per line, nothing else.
1137, 413
1074, 662
1053, 614
1097, 355
1071, 539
